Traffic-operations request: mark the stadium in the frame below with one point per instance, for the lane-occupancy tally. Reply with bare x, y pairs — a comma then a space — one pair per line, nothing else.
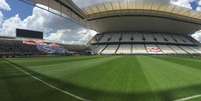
143, 51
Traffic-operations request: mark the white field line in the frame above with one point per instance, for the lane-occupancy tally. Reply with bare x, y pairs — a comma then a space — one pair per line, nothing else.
51, 86
189, 98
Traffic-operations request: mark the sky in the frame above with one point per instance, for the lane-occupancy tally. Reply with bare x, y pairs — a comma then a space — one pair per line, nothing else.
16, 14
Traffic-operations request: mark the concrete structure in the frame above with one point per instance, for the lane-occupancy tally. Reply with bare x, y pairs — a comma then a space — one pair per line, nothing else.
132, 26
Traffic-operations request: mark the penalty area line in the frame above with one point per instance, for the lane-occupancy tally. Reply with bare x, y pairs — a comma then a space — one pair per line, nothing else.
189, 98
50, 85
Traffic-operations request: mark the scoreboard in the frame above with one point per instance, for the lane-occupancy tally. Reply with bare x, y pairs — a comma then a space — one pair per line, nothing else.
22, 33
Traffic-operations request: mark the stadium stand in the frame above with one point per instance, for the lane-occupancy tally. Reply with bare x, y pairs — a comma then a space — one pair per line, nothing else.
139, 49
99, 49
115, 38
177, 49
12, 48
138, 37
153, 49
105, 38
149, 38
127, 38
166, 49
145, 43
125, 49
110, 49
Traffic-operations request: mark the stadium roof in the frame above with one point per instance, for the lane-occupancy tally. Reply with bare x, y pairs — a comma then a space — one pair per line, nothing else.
128, 15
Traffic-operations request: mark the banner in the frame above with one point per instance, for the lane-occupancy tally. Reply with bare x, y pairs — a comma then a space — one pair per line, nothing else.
154, 50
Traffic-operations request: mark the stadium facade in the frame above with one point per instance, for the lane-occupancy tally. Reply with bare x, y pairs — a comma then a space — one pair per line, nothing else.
132, 26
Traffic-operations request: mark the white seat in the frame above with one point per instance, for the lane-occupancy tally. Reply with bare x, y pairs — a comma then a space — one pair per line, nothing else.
105, 38
166, 49
138, 37
124, 49
177, 49
99, 49
149, 38
188, 49
115, 37
126, 37
139, 49
160, 38
169, 38
110, 49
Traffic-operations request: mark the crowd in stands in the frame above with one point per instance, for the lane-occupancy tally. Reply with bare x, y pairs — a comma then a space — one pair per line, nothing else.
12, 48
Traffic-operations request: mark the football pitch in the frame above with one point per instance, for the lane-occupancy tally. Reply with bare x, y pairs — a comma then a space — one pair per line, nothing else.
101, 78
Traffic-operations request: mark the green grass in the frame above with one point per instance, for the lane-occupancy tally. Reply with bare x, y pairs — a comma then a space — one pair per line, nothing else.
101, 78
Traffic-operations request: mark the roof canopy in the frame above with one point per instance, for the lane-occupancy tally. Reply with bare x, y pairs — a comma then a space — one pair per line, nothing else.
103, 15
88, 3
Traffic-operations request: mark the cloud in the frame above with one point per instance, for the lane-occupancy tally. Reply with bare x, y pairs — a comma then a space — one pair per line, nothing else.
199, 8
183, 3
197, 36
4, 5
77, 36
9, 26
58, 35
55, 28
1, 18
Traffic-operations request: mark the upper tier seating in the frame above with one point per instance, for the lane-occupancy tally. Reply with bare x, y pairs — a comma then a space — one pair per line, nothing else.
138, 37
115, 38
144, 38
169, 38
105, 38
127, 38
149, 38
160, 38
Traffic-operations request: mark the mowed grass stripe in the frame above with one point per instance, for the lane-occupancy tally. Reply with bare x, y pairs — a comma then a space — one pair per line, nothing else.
121, 78
118, 80
17, 86
65, 69
51, 61
82, 65
190, 62
179, 80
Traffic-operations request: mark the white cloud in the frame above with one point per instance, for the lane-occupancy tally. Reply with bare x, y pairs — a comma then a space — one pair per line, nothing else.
9, 26
197, 36
58, 35
199, 8
183, 3
55, 28
4, 5
1, 18
77, 36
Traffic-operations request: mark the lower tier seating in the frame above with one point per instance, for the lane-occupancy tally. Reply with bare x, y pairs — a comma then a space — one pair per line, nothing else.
145, 49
